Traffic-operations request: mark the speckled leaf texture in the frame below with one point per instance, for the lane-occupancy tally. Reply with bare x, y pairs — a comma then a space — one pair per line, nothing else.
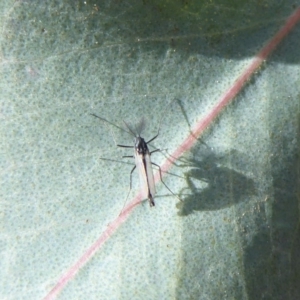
236, 232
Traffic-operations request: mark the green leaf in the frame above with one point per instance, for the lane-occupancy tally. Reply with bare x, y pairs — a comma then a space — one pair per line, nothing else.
235, 235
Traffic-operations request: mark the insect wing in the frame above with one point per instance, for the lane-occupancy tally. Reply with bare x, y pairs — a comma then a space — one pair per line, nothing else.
150, 177
142, 174
143, 165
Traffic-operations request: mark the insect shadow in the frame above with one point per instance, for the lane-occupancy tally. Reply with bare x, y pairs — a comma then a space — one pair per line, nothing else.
212, 181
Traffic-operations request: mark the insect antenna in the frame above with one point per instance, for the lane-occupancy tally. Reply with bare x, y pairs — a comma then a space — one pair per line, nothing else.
114, 125
129, 127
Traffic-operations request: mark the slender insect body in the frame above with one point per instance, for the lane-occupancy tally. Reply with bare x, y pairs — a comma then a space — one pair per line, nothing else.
144, 167
142, 157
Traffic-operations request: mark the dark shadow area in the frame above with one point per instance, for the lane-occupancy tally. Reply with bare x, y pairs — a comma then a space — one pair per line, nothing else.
231, 29
268, 233
213, 180
225, 186
271, 262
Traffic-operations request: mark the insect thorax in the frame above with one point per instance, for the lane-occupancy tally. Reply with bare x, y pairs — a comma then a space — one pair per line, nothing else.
141, 146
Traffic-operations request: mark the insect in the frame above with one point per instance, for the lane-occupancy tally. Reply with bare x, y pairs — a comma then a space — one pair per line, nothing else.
143, 163
142, 157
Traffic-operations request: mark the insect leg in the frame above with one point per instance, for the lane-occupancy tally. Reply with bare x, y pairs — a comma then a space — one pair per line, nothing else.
163, 181
152, 139
124, 146
161, 121
129, 189
131, 177
156, 150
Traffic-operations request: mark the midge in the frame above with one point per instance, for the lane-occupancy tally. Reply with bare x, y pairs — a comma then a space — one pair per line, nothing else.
142, 157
